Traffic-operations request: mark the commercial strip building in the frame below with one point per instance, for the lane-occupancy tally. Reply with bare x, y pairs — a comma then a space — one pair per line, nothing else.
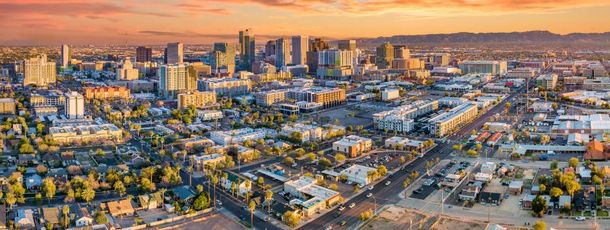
401, 118
226, 86
197, 98
353, 145
446, 122
590, 124
326, 96
310, 197
241, 135
403, 143
107, 92
358, 174
522, 149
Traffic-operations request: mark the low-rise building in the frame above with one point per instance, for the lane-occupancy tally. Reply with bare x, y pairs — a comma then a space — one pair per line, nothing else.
470, 191
107, 92
358, 174
268, 98
401, 118
189, 144
353, 145
309, 196
390, 94
404, 143
199, 162
209, 115
547, 81
241, 135
197, 99
118, 208
83, 130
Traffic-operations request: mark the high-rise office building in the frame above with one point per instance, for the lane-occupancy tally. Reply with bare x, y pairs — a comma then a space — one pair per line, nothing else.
401, 52
300, 46
75, 105
222, 58
143, 54
347, 45
247, 49
270, 48
315, 46
66, 56
175, 79
38, 71
127, 72
174, 53
282, 52
385, 56
335, 58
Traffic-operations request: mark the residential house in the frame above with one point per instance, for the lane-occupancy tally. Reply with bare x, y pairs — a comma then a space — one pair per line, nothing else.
150, 201
184, 193
51, 215
471, 191
565, 201
33, 182
528, 199
118, 208
596, 151
81, 216
25, 219
486, 197
242, 187
515, 187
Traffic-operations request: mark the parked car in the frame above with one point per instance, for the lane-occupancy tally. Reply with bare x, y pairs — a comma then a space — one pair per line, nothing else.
369, 195
343, 223
581, 218
341, 208
371, 187
352, 205
388, 183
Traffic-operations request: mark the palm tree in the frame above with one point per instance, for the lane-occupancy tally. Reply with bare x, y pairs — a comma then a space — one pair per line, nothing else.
252, 206
268, 197
190, 170
214, 180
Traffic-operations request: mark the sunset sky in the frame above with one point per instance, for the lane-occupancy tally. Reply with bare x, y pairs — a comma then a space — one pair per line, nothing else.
52, 22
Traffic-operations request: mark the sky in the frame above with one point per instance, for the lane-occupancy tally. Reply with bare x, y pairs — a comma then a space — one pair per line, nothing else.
151, 22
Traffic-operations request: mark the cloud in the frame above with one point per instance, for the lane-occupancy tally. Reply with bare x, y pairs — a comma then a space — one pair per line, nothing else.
363, 7
197, 9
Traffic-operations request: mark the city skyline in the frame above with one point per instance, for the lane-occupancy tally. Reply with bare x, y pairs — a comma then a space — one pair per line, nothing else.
208, 21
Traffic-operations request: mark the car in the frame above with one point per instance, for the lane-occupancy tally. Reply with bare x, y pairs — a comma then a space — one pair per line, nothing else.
295, 165
581, 218
219, 202
360, 186
352, 205
341, 208
343, 223
369, 195
388, 183
371, 187
328, 227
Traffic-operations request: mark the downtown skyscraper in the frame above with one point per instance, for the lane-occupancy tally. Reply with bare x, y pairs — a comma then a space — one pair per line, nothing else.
38, 71
222, 59
282, 52
143, 54
247, 49
300, 46
174, 53
66, 56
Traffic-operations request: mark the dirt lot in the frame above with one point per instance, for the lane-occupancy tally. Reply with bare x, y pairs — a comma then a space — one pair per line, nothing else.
216, 222
451, 224
399, 218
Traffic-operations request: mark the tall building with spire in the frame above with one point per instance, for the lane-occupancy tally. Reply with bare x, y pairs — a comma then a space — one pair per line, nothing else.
247, 49
300, 46
38, 71
66, 56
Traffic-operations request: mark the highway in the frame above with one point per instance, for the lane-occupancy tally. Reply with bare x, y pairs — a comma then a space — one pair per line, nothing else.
383, 194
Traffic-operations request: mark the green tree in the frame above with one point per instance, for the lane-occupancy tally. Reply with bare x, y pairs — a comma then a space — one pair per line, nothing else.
573, 162
291, 218
382, 170
539, 206
555, 192
88, 194
472, 153
540, 225
201, 202
554, 165
339, 157
100, 217
252, 207
119, 187
288, 160
48, 188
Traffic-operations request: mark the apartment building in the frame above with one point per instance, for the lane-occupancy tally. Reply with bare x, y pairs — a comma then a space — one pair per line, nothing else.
307, 132
449, 121
7, 106
226, 86
240, 135
82, 131
268, 98
547, 81
107, 92
38, 71
326, 96
401, 118
199, 162
311, 198
490, 67
197, 98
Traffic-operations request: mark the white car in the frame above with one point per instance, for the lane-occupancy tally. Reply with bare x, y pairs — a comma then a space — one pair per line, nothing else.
352, 205
341, 208
369, 195
388, 183
219, 202
581, 218
371, 188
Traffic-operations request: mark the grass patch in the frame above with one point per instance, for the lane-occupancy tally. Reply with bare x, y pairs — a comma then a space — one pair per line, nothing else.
587, 213
602, 212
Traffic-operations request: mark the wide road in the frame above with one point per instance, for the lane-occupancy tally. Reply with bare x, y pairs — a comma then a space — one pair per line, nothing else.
383, 194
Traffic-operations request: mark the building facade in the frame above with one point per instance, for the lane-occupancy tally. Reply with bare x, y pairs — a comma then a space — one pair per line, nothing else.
175, 79
197, 98
174, 53
38, 71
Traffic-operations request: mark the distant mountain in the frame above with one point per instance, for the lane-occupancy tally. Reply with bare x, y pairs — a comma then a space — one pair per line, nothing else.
511, 37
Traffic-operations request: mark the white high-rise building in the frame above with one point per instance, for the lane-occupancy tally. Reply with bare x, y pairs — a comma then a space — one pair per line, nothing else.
300, 46
66, 56
282, 52
174, 53
38, 71
127, 72
335, 58
75, 105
